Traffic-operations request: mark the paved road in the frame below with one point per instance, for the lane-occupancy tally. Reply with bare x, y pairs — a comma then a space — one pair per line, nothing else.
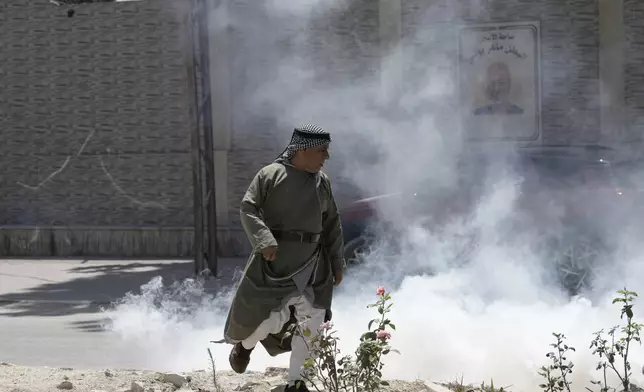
50, 309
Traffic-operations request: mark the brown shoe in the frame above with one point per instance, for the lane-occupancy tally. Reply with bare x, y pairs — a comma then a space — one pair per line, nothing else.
298, 387
239, 358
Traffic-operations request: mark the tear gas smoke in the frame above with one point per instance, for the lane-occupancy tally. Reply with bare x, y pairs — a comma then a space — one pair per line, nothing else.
393, 130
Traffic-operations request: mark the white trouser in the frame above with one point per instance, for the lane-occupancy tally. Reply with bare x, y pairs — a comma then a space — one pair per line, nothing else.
274, 324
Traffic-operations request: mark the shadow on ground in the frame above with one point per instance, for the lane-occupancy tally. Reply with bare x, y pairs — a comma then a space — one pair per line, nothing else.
91, 288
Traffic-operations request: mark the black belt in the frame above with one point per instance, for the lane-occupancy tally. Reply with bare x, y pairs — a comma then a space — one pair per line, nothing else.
296, 236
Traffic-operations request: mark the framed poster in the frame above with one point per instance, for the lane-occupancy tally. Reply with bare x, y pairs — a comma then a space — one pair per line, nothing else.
499, 75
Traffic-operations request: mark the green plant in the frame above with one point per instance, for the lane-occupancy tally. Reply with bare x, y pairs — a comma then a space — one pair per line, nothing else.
491, 388
555, 373
458, 385
610, 350
346, 373
615, 347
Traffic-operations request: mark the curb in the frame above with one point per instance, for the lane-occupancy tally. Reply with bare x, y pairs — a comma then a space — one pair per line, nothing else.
54, 302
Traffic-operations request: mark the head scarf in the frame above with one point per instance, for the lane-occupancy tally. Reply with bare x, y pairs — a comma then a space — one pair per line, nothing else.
306, 136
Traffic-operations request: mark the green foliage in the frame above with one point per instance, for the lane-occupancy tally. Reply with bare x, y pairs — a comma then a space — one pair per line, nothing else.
560, 367
362, 372
334, 372
612, 348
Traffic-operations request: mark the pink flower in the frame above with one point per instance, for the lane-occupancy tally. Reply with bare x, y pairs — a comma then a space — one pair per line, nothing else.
380, 290
326, 325
382, 334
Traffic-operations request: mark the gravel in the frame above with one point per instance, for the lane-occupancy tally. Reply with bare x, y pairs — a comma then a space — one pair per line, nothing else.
15, 378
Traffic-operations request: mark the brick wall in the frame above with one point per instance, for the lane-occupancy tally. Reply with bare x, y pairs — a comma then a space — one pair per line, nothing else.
104, 96
634, 70
340, 48
344, 46
347, 45
569, 53
94, 131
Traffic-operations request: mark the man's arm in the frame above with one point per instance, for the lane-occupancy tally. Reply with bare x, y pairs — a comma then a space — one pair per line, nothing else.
333, 236
252, 203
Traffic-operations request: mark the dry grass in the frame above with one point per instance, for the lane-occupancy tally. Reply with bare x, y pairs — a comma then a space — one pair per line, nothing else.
459, 386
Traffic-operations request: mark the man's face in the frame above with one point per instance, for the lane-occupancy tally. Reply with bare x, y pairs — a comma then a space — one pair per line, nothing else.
498, 82
313, 158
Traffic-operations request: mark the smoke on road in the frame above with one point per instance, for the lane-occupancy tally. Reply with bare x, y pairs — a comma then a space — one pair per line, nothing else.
394, 123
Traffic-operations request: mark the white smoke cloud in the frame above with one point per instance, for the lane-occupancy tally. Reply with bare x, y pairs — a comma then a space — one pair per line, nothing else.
393, 130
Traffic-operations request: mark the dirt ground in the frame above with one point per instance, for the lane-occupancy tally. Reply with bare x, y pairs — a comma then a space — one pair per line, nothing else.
15, 378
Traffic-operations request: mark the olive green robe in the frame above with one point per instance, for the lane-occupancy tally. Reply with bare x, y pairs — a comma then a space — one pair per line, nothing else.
281, 197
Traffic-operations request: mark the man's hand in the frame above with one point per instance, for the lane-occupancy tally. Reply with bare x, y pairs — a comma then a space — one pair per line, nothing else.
270, 253
338, 278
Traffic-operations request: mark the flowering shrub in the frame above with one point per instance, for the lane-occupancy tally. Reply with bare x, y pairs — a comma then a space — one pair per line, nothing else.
327, 369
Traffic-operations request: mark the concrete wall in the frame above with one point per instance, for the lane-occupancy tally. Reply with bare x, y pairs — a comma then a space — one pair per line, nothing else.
94, 131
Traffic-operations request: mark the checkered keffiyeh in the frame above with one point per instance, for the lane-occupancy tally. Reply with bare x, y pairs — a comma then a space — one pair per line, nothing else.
305, 136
